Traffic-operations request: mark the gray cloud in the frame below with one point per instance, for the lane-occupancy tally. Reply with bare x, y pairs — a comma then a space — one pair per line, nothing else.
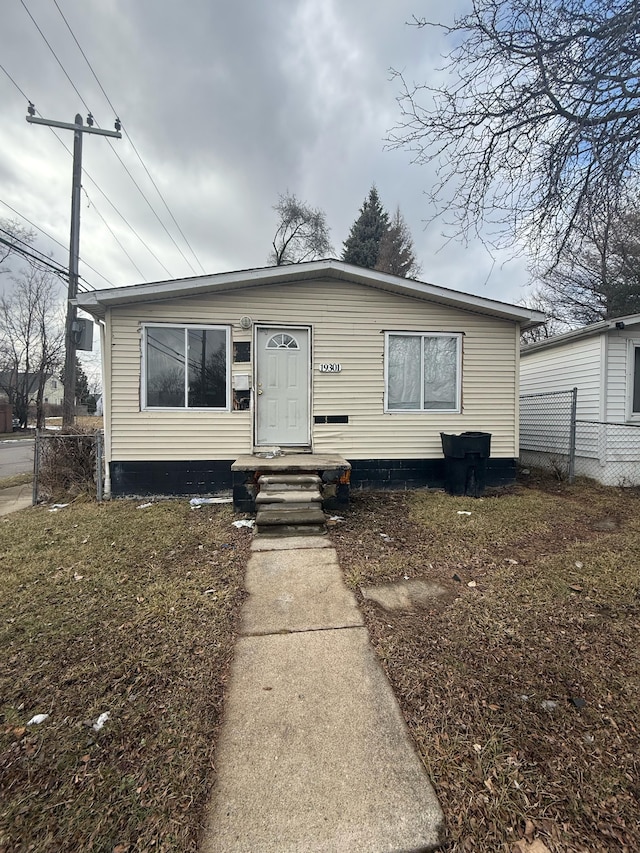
229, 104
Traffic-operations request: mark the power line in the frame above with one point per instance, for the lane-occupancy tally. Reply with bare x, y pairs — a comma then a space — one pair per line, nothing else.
130, 140
108, 227
54, 55
53, 239
112, 148
14, 82
38, 228
26, 254
85, 172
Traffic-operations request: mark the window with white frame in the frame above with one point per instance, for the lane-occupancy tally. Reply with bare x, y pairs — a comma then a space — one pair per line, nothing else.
635, 391
186, 367
423, 371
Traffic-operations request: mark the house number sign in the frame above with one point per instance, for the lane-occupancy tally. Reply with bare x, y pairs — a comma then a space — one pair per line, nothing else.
330, 367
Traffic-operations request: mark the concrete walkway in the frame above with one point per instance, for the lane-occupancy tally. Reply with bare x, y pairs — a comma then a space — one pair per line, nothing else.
314, 754
14, 498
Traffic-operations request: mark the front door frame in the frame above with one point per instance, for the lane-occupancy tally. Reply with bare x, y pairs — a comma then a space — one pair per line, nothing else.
257, 352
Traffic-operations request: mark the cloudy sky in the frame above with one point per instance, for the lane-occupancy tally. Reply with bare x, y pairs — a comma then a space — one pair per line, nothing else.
228, 104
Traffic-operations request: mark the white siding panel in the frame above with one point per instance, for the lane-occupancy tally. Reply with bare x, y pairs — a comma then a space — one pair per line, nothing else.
348, 324
619, 375
577, 364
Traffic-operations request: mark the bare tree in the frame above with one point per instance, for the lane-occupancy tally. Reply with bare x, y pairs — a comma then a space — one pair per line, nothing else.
597, 276
302, 233
540, 124
538, 300
14, 240
31, 340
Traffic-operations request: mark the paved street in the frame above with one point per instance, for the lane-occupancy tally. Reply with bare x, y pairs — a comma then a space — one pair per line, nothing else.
16, 456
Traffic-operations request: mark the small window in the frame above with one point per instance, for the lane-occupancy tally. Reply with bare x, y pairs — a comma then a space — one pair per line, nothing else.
282, 341
241, 352
423, 372
186, 367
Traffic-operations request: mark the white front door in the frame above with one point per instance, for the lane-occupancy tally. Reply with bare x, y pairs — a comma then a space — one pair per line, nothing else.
282, 386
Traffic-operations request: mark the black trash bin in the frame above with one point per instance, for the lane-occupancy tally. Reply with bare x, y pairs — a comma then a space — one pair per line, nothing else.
466, 462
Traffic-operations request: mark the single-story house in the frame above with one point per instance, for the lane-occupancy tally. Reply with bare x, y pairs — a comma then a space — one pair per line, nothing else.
602, 361
318, 358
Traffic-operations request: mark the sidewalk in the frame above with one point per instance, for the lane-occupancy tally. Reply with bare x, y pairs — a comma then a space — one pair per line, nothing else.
314, 754
14, 498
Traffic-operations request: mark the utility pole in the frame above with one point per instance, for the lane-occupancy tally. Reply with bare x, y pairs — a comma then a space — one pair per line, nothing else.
71, 331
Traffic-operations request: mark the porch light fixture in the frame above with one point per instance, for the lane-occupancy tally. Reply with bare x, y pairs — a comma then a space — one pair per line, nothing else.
246, 322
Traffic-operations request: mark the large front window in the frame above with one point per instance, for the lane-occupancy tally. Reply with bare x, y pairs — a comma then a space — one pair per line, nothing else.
422, 372
186, 367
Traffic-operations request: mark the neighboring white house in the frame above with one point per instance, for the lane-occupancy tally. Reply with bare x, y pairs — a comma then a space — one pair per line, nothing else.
603, 362
321, 357
53, 391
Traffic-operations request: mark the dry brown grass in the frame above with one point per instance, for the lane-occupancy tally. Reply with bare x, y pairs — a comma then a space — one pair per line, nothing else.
554, 616
132, 611
15, 480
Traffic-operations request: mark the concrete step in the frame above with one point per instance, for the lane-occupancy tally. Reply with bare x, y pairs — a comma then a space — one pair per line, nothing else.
277, 531
286, 482
291, 496
289, 515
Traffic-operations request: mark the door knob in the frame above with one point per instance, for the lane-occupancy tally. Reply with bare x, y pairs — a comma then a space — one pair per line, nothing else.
259, 392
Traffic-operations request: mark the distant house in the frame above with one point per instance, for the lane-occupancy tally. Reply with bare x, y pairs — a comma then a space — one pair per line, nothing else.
603, 362
314, 358
53, 388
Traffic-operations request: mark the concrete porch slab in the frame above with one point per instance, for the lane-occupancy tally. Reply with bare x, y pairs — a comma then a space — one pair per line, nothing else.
294, 462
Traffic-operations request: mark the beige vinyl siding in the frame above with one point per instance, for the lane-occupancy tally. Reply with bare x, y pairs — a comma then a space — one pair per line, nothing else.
348, 323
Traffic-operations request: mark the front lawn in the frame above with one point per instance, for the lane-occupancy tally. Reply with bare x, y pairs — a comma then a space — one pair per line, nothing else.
521, 683
131, 612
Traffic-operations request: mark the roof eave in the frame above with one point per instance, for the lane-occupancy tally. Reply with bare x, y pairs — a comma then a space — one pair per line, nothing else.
97, 302
617, 323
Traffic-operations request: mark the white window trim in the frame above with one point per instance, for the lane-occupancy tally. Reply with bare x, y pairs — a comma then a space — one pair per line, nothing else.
143, 368
458, 402
632, 346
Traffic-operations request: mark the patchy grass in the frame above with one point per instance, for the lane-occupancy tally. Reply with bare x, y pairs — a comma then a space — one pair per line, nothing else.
15, 480
553, 617
110, 608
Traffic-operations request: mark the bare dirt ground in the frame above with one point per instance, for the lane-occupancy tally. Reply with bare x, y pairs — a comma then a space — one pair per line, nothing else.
521, 683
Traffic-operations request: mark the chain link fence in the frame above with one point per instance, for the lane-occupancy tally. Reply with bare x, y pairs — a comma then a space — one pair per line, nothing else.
552, 437
548, 431
608, 452
69, 463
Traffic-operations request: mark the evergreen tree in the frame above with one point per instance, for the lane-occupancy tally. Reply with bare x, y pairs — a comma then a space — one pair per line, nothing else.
362, 246
395, 250
82, 383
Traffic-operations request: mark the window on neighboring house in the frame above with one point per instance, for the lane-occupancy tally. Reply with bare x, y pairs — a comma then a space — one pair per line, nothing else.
635, 403
186, 367
423, 371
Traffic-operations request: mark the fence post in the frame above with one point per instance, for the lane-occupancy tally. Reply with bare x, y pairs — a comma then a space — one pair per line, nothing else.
36, 468
572, 436
99, 465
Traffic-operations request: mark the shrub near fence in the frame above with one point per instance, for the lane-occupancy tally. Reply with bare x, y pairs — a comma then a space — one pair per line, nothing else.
69, 463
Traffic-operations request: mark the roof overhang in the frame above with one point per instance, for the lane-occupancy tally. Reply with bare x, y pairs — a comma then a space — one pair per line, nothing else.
98, 301
617, 324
